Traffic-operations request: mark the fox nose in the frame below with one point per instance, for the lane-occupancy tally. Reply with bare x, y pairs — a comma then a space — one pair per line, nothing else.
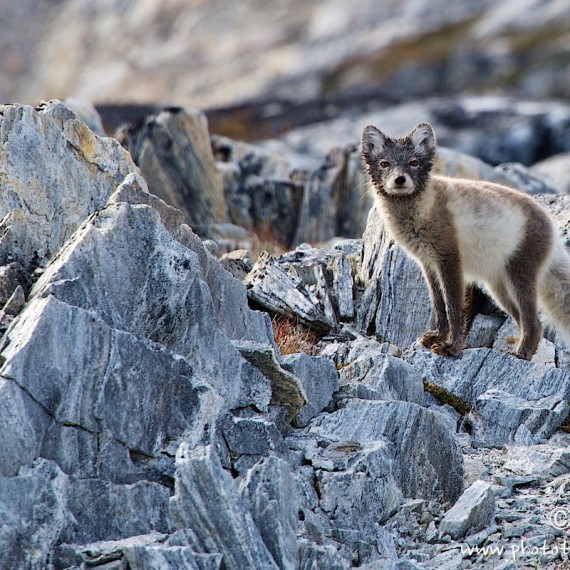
400, 180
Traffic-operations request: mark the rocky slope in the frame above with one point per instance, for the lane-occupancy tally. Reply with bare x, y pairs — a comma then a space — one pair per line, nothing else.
150, 421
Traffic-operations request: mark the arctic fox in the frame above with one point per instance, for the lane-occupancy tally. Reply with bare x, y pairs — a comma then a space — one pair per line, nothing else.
465, 231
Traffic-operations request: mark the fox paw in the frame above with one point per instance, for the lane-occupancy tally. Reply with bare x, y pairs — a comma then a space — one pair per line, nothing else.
445, 348
428, 339
520, 355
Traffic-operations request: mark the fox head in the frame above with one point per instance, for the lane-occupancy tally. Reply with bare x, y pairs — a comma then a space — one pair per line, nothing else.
399, 167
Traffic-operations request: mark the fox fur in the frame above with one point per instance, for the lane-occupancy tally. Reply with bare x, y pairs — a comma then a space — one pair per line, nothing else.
462, 232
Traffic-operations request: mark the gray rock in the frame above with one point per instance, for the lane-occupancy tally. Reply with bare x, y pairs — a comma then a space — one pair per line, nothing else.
472, 512
360, 489
556, 170
38, 146
501, 417
483, 331
102, 382
207, 501
313, 556
100, 510
371, 374
524, 179
269, 490
172, 296
524, 386
172, 149
170, 558
33, 514
251, 435
287, 389
427, 461
320, 380
395, 304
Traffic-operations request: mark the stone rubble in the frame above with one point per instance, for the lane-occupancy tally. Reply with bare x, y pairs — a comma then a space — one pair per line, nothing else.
149, 420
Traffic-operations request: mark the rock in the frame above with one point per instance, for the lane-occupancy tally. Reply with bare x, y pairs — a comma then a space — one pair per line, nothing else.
360, 488
320, 380
507, 418
502, 389
100, 510
173, 151
270, 285
287, 389
207, 501
427, 462
556, 170
540, 460
472, 512
86, 112
172, 292
34, 225
483, 331
312, 556
524, 179
175, 557
33, 514
269, 489
237, 262
371, 374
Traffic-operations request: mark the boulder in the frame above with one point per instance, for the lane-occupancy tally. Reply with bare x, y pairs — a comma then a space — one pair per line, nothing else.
48, 158
320, 380
513, 400
269, 490
172, 149
427, 461
472, 512
207, 501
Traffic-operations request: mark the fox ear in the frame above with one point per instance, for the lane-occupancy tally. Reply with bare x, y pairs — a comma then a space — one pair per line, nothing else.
373, 142
423, 138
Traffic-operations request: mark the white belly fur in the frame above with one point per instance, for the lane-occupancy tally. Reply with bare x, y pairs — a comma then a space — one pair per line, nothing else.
488, 232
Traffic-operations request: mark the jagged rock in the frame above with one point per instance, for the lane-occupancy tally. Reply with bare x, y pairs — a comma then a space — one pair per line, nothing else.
395, 305
287, 389
100, 510
320, 380
523, 179
33, 514
542, 461
477, 374
329, 272
172, 149
273, 287
170, 557
100, 382
502, 417
312, 556
472, 512
171, 298
68, 174
483, 331
315, 286
369, 373
250, 435
207, 501
269, 490
357, 484
267, 194
427, 461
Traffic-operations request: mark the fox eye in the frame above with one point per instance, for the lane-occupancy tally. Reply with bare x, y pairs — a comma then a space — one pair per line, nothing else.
384, 164
414, 163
